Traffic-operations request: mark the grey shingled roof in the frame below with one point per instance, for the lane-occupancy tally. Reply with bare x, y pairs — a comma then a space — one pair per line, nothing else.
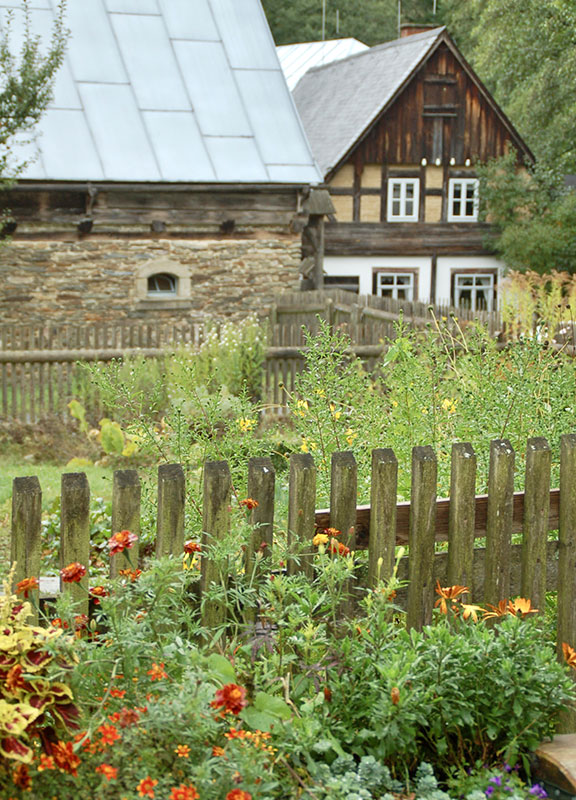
338, 102
167, 90
297, 59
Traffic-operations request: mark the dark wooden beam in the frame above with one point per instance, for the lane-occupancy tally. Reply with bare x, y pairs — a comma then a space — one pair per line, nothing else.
410, 238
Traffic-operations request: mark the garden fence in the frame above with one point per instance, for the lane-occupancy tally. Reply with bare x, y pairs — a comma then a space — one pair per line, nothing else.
498, 570
39, 371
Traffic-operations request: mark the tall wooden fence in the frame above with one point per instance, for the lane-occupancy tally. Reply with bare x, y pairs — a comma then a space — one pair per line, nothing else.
38, 364
496, 571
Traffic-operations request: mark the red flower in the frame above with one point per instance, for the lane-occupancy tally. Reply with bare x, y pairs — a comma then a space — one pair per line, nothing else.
132, 574
230, 698
109, 772
123, 540
182, 751
339, 548
81, 622
46, 762
58, 623
73, 573
249, 503
109, 734
183, 792
21, 777
191, 547
117, 692
146, 787
157, 672
65, 757
26, 586
238, 794
97, 592
125, 717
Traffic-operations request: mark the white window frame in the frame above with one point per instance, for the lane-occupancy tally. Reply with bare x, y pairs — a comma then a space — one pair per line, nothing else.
462, 216
474, 289
391, 273
403, 183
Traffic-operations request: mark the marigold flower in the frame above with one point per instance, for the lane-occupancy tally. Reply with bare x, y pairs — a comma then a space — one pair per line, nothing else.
125, 717
249, 503
81, 622
238, 794
332, 532
192, 547
73, 573
218, 751
26, 586
109, 772
114, 692
157, 672
131, 574
448, 593
182, 751
109, 734
65, 757
320, 539
183, 792
230, 697
569, 655
395, 695
146, 787
21, 777
97, 592
339, 548
57, 622
46, 762
123, 540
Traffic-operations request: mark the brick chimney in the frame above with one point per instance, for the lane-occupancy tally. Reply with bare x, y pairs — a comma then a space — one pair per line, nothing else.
410, 28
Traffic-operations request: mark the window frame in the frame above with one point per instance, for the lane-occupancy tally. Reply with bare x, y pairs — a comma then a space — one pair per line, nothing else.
475, 273
396, 272
465, 182
159, 293
402, 217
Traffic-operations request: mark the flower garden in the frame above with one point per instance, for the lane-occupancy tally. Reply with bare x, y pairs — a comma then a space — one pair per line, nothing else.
299, 693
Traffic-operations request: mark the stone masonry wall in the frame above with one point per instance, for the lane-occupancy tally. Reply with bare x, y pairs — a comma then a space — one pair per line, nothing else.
95, 280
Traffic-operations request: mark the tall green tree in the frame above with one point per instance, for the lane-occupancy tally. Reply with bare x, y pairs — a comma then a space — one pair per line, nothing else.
27, 76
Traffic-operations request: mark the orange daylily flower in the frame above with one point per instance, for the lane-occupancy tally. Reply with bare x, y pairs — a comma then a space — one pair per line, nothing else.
448, 593
521, 605
471, 611
496, 611
569, 655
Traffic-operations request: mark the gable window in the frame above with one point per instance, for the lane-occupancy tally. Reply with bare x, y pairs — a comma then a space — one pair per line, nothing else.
463, 200
162, 284
474, 291
397, 285
403, 197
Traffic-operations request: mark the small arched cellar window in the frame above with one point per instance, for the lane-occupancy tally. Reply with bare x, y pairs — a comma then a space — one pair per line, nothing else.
162, 284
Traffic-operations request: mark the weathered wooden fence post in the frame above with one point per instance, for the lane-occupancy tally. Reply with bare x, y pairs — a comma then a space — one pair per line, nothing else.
421, 538
261, 484
383, 499
461, 519
499, 521
343, 496
301, 508
75, 532
215, 525
536, 514
125, 515
171, 506
566, 631
25, 543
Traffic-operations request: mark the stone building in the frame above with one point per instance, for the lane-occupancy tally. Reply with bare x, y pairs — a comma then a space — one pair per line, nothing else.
170, 175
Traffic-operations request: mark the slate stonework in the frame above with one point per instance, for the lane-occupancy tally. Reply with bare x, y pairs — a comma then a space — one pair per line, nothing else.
95, 280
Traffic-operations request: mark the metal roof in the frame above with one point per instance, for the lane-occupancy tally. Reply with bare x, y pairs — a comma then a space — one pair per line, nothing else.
297, 59
339, 101
166, 90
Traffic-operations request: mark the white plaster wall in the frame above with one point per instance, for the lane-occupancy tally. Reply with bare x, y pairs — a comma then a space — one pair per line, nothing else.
362, 266
445, 265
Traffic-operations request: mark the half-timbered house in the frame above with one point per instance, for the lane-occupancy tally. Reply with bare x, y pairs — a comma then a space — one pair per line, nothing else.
169, 177
398, 131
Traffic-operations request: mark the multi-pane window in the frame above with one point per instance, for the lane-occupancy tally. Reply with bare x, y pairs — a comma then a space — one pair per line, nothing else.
474, 291
403, 196
398, 285
162, 284
463, 200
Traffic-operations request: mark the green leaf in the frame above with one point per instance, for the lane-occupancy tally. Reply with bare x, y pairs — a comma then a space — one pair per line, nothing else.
221, 668
272, 705
258, 720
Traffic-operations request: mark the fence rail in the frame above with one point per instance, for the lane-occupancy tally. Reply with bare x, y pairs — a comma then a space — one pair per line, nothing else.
494, 572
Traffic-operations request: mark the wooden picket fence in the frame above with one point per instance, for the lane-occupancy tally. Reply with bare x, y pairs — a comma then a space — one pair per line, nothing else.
496, 571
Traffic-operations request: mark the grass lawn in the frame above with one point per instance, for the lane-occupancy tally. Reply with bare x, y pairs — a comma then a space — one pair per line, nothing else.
13, 466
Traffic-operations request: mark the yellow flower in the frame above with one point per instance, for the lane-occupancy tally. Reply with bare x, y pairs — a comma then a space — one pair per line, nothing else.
307, 445
302, 407
320, 538
245, 424
449, 405
320, 392
335, 414
424, 410
350, 436
394, 403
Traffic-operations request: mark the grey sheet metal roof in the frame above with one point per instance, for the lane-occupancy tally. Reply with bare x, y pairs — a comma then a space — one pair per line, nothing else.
338, 102
166, 90
297, 59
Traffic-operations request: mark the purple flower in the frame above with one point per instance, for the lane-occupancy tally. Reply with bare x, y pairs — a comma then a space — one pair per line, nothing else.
537, 791
489, 791
496, 780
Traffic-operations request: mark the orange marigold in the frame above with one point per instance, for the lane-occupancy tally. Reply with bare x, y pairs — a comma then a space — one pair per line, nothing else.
46, 762
230, 697
238, 794
249, 503
21, 777
109, 772
73, 573
26, 586
123, 540
192, 547
339, 548
183, 792
97, 592
182, 751
157, 672
65, 757
218, 751
146, 787
131, 574
569, 655
109, 734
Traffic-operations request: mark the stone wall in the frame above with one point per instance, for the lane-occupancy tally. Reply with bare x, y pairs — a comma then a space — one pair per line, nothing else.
97, 279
